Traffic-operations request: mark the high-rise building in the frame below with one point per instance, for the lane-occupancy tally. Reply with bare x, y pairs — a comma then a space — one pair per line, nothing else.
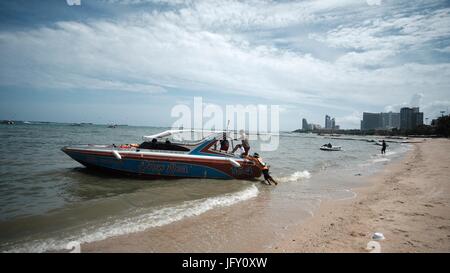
330, 123
371, 121
327, 122
419, 119
410, 118
305, 125
390, 120
387, 121
394, 120
406, 118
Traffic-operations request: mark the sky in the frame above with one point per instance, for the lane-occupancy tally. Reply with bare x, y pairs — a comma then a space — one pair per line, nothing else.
131, 61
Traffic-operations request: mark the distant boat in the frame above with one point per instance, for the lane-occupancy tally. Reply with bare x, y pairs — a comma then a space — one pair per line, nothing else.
332, 148
8, 122
112, 126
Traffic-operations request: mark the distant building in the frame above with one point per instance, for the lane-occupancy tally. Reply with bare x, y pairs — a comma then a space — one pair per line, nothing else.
310, 126
410, 118
390, 120
380, 121
305, 125
371, 121
419, 119
330, 123
327, 122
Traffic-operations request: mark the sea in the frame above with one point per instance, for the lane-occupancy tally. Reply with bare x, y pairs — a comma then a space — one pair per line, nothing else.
48, 200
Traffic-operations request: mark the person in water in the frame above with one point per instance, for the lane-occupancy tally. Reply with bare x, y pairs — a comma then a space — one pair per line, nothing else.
244, 144
224, 144
383, 147
264, 168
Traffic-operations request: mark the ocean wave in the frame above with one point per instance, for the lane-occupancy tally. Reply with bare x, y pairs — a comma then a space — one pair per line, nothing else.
297, 176
390, 153
381, 159
155, 218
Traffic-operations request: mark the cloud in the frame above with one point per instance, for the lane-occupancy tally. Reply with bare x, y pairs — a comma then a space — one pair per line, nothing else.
158, 50
416, 100
353, 120
221, 48
433, 109
395, 107
73, 2
373, 2
364, 59
402, 30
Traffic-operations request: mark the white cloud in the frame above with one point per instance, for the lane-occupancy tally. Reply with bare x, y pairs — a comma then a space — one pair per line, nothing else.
353, 120
433, 109
390, 33
210, 47
395, 107
373, 2
363, 59
444, 50
416, 99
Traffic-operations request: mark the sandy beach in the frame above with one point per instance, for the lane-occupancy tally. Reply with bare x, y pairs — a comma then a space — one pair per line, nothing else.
408, 201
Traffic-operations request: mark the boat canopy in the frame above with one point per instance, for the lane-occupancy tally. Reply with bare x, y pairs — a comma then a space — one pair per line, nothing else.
185, 136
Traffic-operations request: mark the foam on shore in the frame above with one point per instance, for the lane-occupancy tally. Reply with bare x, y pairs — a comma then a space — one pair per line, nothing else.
155, 218
296, 176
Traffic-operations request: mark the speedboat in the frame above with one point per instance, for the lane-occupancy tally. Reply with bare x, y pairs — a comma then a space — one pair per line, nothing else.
172, 153
332, 148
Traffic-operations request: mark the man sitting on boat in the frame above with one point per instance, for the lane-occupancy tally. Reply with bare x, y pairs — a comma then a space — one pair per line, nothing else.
224, 143
245, 144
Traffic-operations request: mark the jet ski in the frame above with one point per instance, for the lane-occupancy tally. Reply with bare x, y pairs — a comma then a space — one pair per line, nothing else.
332, 148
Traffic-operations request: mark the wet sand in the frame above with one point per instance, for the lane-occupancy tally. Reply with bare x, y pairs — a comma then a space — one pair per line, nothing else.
409, 202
